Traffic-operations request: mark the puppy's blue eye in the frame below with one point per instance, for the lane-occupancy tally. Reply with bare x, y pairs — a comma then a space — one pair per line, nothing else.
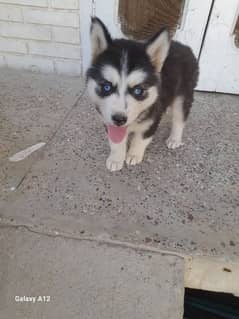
138, 91
107, 87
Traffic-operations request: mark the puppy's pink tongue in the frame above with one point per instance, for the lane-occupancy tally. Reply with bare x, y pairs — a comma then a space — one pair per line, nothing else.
116, 133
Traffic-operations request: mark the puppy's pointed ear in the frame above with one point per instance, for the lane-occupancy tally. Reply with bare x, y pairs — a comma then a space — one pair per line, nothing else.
100, 37
157, 48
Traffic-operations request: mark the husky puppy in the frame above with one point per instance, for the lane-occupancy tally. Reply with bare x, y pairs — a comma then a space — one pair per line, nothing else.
132, 84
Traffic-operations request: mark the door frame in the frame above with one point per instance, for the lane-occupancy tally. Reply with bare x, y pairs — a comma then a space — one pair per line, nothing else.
86, 12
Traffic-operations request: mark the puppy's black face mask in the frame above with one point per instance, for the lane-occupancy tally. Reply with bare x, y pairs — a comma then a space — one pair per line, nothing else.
123, 79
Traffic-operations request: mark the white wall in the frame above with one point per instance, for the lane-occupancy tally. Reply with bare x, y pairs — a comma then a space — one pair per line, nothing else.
41, 35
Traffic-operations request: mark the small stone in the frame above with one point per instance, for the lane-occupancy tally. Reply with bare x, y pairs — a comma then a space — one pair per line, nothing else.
232, 243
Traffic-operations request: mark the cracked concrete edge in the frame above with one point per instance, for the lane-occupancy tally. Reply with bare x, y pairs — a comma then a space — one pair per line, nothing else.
213, 274
200, 272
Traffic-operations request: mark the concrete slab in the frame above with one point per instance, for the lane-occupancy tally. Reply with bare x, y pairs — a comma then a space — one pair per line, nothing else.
32, 107
85, 280
184, 200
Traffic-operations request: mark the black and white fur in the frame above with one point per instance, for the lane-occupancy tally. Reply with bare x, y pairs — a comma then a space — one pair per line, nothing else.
165, 71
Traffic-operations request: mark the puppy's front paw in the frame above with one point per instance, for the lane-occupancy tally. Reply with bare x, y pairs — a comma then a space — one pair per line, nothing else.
134, 158
173, 143
113, 163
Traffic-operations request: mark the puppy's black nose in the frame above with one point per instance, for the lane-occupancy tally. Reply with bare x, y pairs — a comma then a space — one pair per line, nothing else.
119, 119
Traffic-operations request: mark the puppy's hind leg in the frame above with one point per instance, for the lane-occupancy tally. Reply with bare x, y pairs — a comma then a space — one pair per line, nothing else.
180, 110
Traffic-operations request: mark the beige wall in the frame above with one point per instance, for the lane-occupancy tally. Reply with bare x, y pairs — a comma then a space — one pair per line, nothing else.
41, 35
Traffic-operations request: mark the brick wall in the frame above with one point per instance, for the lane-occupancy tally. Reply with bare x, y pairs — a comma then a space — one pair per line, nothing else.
40, 35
